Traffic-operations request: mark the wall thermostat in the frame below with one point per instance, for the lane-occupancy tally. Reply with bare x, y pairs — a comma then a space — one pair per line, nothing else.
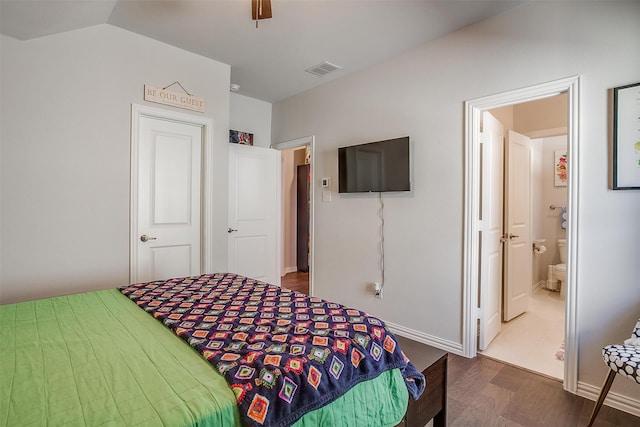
326, 182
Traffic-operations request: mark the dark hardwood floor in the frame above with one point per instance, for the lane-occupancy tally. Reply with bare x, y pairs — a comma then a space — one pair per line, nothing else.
485, 392
296, 281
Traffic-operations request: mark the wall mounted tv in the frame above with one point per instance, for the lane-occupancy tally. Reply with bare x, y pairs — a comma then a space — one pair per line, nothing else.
374, 167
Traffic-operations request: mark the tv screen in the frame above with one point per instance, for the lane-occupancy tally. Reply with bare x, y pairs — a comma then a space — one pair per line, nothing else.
374, 167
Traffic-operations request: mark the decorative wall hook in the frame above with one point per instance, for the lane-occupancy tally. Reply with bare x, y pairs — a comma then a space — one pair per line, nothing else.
177, 83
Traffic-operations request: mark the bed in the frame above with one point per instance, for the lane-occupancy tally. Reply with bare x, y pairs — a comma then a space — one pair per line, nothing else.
257, 355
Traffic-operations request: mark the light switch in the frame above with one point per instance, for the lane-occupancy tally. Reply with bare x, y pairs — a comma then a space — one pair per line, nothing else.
325, 182
326, 196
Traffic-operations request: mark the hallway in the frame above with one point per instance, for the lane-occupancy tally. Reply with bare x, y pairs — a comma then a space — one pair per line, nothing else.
297, 281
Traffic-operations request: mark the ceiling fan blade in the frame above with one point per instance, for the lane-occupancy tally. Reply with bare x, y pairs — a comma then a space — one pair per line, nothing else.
260, 9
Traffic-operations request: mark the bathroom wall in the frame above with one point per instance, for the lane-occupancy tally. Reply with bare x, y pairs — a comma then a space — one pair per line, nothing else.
542, 120
545, 121
537, 211
504, 115
547, 224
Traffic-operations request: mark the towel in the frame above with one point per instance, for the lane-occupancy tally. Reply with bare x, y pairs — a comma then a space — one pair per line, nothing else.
563, 218
560, 352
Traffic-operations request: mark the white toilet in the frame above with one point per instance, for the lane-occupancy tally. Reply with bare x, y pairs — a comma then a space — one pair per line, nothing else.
560, 270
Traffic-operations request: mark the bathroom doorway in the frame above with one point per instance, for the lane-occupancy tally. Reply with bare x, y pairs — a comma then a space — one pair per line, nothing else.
531, 333
476, 310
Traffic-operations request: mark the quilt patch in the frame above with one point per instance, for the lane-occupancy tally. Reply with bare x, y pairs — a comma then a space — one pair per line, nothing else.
282, 353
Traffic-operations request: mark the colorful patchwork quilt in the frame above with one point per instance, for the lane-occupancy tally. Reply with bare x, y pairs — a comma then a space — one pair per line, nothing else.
283, 353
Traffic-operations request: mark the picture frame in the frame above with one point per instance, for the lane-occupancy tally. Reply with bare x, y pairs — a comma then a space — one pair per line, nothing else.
239, 137
624, 146
560, 168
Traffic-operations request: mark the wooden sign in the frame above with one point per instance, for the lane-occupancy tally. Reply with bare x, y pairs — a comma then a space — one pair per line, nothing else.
175, 99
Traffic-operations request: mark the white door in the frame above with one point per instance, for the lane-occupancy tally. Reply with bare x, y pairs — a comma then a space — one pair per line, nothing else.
518, 250
169, 163
492, 149
254, 212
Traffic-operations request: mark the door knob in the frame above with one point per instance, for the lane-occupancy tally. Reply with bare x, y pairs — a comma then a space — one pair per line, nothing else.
231, 230
504, 237
145, 238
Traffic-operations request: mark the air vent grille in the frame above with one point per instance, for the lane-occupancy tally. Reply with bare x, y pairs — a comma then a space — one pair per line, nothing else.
323, 69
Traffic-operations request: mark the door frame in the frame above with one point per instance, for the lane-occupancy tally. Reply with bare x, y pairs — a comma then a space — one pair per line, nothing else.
473, 111
206, 195
295, 143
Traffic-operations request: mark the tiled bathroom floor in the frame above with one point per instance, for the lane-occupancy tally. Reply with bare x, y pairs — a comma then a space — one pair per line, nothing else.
532, 339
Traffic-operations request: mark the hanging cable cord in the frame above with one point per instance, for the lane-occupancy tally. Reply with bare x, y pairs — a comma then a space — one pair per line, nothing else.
381, 215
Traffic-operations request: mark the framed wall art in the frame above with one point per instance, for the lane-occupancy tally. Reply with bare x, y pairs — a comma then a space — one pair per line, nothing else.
625, 138
560, 168
237, 137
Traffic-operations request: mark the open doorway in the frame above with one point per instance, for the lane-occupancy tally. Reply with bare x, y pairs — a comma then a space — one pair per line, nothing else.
474, 315
529, 213
297, 214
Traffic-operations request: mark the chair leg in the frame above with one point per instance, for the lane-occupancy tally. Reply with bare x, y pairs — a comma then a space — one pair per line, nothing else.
603, 393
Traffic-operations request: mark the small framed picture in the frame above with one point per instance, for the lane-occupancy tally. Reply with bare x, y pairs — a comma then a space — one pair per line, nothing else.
625, 138
237, 137
560, 168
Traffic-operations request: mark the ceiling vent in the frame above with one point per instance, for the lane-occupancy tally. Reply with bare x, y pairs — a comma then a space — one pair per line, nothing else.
323, 69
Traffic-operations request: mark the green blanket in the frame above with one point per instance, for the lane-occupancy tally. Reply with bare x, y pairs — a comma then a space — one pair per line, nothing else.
97, 359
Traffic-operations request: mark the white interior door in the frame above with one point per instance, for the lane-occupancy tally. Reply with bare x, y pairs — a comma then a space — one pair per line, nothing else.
254, 212
518, 251
169, 163
492, 148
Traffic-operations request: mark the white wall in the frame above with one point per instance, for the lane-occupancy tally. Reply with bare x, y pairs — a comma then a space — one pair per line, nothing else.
253, 116
543, 117
66, 117
550, 195
290, 161
421, 94
548, 220
288, 212
537, 212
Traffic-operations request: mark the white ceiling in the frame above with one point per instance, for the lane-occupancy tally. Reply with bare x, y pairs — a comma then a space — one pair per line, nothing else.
268, 62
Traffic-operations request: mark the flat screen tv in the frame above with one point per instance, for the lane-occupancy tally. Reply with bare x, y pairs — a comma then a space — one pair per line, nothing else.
374, 167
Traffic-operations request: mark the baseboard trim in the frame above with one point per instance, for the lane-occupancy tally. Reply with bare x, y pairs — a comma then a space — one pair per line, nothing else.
614, 400
539, 285
288, 270
446, 345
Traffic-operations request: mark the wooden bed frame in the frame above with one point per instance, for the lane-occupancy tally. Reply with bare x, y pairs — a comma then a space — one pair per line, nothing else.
432, 362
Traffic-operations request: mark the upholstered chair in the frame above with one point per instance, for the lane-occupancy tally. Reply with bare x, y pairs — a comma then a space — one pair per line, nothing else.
623, 359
